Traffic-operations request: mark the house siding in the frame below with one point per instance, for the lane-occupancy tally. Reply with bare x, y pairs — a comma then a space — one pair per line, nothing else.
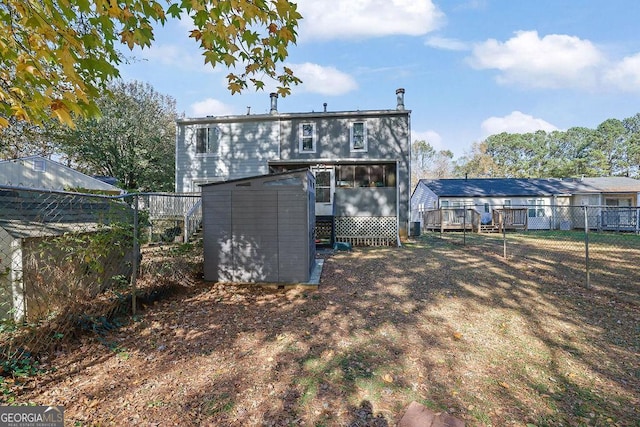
248, 144
245, 147
366, 202
388, 138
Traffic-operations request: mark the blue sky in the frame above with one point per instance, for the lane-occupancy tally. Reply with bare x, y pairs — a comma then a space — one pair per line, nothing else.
470, 68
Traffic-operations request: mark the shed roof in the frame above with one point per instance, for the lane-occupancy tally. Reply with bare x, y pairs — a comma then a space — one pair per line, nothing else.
30, 213
290, 177
523, 187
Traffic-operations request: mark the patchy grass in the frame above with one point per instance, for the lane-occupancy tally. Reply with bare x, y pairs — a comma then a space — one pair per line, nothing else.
495, 342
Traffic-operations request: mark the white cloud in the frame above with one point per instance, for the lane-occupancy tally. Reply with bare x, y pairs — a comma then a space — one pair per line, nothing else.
340, 19
211, 107
446, 43
625, 74
552, 61
431, 136
516, 122
322, 80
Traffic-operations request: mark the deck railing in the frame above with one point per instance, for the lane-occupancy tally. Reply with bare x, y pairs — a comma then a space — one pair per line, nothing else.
451, 219
511, 218
192, 220
169, 205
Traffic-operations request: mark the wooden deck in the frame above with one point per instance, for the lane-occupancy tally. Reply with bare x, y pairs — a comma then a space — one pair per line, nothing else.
458, 219
445, 219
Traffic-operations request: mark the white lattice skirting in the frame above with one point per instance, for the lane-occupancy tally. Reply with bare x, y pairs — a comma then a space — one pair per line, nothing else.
367, 230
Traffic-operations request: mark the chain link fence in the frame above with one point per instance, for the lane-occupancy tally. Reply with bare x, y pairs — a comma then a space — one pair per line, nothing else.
596, 245
72, 262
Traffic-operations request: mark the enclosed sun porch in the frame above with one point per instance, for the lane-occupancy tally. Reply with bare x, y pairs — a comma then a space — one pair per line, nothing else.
356, 202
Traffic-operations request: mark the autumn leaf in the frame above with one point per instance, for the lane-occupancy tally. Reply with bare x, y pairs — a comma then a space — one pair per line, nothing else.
48, 44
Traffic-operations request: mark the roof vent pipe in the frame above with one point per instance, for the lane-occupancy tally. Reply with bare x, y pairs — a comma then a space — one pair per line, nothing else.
325, 106
248, 110
274, 102
400, 97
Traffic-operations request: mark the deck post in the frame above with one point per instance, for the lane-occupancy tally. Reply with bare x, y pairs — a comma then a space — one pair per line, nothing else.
504, 241
586, 245
464, 227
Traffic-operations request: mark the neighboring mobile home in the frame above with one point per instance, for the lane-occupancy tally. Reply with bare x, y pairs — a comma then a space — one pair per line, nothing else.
541, 197
45, 174
360, 160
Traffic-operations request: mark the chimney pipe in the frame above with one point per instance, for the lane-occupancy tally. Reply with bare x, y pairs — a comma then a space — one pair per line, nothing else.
325, 106
400, 97
274, 103
248, 110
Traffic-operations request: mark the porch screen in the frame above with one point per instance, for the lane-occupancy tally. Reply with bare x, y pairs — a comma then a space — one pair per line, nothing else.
353, 176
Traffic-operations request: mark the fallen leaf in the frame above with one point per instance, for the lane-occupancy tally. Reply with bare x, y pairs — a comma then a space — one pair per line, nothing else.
503, 384
457, 336
387, 378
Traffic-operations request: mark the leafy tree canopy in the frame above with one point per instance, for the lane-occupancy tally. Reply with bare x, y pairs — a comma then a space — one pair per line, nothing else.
57, 56
429, 163
612, 149
133, 141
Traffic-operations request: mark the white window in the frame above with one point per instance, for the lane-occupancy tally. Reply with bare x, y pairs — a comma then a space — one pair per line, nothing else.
486, 207
444, 204
208, 141
307, 138
359, 136
507, 203
39, 165
536, 208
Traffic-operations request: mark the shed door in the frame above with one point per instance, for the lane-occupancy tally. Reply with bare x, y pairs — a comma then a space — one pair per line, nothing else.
325, 189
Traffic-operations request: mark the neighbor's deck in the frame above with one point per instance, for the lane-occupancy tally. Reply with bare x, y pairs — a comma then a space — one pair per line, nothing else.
447, 219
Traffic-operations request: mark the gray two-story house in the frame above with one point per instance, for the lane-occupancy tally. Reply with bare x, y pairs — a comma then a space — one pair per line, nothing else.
361, 161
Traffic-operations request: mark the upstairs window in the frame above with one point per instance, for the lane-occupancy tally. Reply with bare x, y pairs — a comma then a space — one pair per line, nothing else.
359, 137
307, 138
207, 141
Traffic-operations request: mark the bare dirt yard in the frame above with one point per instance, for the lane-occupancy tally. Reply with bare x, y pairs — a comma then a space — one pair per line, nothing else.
456, 328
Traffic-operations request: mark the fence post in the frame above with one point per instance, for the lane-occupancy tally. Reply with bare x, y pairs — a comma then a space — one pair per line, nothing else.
586, 244
136, 252
464, 226
503, 213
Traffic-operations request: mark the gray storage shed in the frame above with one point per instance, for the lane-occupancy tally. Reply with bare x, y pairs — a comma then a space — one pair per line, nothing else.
260, 229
